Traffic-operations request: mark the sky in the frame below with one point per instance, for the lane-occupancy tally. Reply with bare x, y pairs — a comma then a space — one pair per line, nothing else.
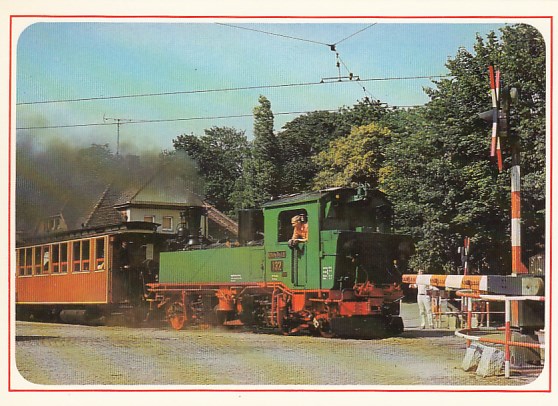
117, 67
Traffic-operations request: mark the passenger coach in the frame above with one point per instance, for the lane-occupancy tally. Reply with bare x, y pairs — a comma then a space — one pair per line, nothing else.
87, 275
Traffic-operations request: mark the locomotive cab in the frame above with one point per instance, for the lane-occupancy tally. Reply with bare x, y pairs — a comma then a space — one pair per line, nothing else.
350, 265
349, 240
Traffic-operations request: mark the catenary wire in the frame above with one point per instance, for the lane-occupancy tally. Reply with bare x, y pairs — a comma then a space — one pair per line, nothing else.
273, 33
140, 121
229, 89
352, 35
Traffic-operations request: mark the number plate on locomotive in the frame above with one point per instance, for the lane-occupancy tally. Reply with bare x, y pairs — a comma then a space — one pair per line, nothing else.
276, 266
277, 254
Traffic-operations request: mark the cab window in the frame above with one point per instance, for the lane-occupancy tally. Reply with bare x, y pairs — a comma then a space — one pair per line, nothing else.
284, 228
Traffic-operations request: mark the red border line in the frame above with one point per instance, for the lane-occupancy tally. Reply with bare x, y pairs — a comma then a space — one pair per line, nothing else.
205, 17
550, 203
12, 17
9, 206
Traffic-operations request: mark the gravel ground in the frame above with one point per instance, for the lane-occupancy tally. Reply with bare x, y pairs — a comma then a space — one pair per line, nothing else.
58, 354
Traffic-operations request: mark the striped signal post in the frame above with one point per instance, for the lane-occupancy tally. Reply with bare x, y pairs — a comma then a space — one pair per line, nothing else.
494, 112
500, 114
495, 147
517, 264
464, 251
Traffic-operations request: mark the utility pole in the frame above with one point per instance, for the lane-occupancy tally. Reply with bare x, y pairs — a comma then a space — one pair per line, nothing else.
119, 122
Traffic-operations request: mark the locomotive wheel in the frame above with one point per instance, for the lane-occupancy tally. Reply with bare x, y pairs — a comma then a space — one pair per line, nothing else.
176, 315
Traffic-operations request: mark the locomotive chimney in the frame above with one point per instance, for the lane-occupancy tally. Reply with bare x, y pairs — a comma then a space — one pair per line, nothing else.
189, 230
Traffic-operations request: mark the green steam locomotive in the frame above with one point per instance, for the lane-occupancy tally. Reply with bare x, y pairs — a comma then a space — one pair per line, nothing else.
342, 280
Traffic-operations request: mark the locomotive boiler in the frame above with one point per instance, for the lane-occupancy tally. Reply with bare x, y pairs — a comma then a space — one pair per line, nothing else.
343, 280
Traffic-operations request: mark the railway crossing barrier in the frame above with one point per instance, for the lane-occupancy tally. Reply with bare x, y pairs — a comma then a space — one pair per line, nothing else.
483, 355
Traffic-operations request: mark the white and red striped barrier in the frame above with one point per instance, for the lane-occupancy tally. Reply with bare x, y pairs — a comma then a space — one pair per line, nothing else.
475, 282
493, 284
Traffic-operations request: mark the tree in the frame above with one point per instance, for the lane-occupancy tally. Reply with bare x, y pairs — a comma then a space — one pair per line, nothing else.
219, 155
366, 111
440, 177
262, 170
300, 141
357, 157
306, 136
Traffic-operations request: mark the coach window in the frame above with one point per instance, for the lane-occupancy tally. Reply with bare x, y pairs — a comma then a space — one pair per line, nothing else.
285, 229
56, 258
28, 261
37, 263
45, 259
63, 258
76, 256
81, 256
21, 262
60, 258
100, 253
85, 255
167, 223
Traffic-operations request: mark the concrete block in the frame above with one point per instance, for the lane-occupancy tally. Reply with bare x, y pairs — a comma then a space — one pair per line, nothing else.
491, 362
472, 357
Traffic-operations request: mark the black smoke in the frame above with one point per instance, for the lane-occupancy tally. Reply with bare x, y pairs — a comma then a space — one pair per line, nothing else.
56, 177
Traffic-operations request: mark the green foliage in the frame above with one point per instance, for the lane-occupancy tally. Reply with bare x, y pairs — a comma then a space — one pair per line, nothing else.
219, 155
306, 136
440, 177
301, 140
357, 157
261, 174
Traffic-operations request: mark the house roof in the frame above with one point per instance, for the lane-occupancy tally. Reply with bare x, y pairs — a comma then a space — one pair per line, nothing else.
160, 190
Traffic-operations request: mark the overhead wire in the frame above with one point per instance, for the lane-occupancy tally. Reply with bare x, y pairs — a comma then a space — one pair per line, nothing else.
143, 121
352, 35
331, 46
274, 34
229, 89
